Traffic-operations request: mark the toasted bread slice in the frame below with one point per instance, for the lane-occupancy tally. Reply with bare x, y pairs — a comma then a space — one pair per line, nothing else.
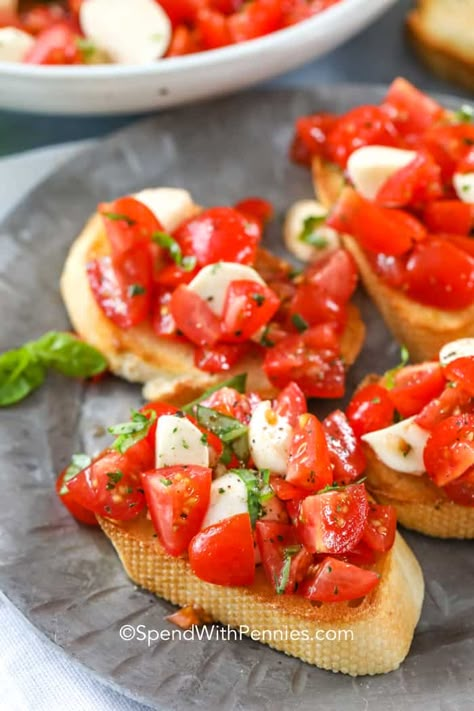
137, 354
420, 504
422, 329
441, 33
372, 637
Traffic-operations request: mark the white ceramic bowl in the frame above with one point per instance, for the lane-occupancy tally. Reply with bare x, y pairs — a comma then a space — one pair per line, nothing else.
115, 89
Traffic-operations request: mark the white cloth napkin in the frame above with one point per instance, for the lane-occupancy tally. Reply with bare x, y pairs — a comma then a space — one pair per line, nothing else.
34, 674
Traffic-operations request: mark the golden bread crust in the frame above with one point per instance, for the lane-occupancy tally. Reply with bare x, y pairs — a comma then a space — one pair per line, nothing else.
382, 625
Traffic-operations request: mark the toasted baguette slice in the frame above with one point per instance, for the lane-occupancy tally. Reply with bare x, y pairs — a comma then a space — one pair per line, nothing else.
379, 630
441, 33
420, 504
422, 329
137, 354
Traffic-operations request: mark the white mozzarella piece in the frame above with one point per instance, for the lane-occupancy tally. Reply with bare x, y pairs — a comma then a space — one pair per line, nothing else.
464, 186
179, 442
400, 446
269, 438
228, 498
461, 348
14, 44
135, 32
327, 238
212, 282
370, 166
171, 206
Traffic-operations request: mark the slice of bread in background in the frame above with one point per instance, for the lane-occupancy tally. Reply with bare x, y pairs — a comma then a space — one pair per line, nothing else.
441, 31
380, 628
420, 504
422, 329
165, 367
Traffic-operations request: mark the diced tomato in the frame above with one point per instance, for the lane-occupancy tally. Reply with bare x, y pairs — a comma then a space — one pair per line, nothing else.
223, 554
177, 499
415, 386
370, 409
465, 244
309, 465
291, 403
213, 29
334, 521
278, 544
417, 182
389, 268
336, 581
40, 17
55, 45
219, 234
411, 111
255, 19
183, 11
451, 275
461, 371
122, 286
220, 357
248, 306
75, 509
381, 527
461, 490
453, 400
345, 451
450, 216
335, 276
311, 359
310, 136
298, 10
111, 485
362, 126
449, 452
230, 402
161, 319
194, 318
360, 555
257, 209
449, 144
376, 228
314, 306
134, 230
183, 41
286, 491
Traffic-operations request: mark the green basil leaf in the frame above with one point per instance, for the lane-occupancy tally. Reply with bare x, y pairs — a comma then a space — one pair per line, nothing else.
282, 581
238, 382
299, 323
20, 374
118, 217
309, 233
78, 463
226, 428
389, 377
129, 433
171, 245
69, 355
465, 114
258, 491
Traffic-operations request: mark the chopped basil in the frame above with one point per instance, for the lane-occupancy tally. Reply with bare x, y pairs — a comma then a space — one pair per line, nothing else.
78, 463
23, 370
238, 382
309, 233
226, 427
115, 477
118, 217
259, 299
136, 290
258, 491
389, 377
168, 242
282, 581
299, 323
129, 433
87, 48
166, 482
465, 114
264, 340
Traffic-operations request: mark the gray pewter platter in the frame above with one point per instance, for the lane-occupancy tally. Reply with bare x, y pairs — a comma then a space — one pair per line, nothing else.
66, 578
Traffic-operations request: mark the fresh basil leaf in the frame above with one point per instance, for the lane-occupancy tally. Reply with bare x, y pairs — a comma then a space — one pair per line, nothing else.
226, 428
465, 114
78, 463
69, 355
129, 433
389, 377
238, 382
299, 323
20, 374
118, 217
258, 491
309, 233
171, 245
282, 581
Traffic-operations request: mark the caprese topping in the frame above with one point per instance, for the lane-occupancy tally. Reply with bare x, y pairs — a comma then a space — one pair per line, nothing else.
198, 276
419, 420
408, 170
232, 481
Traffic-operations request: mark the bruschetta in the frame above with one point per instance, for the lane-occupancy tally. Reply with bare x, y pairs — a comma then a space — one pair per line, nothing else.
177, 297
254, 511
397, 183
416, 424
